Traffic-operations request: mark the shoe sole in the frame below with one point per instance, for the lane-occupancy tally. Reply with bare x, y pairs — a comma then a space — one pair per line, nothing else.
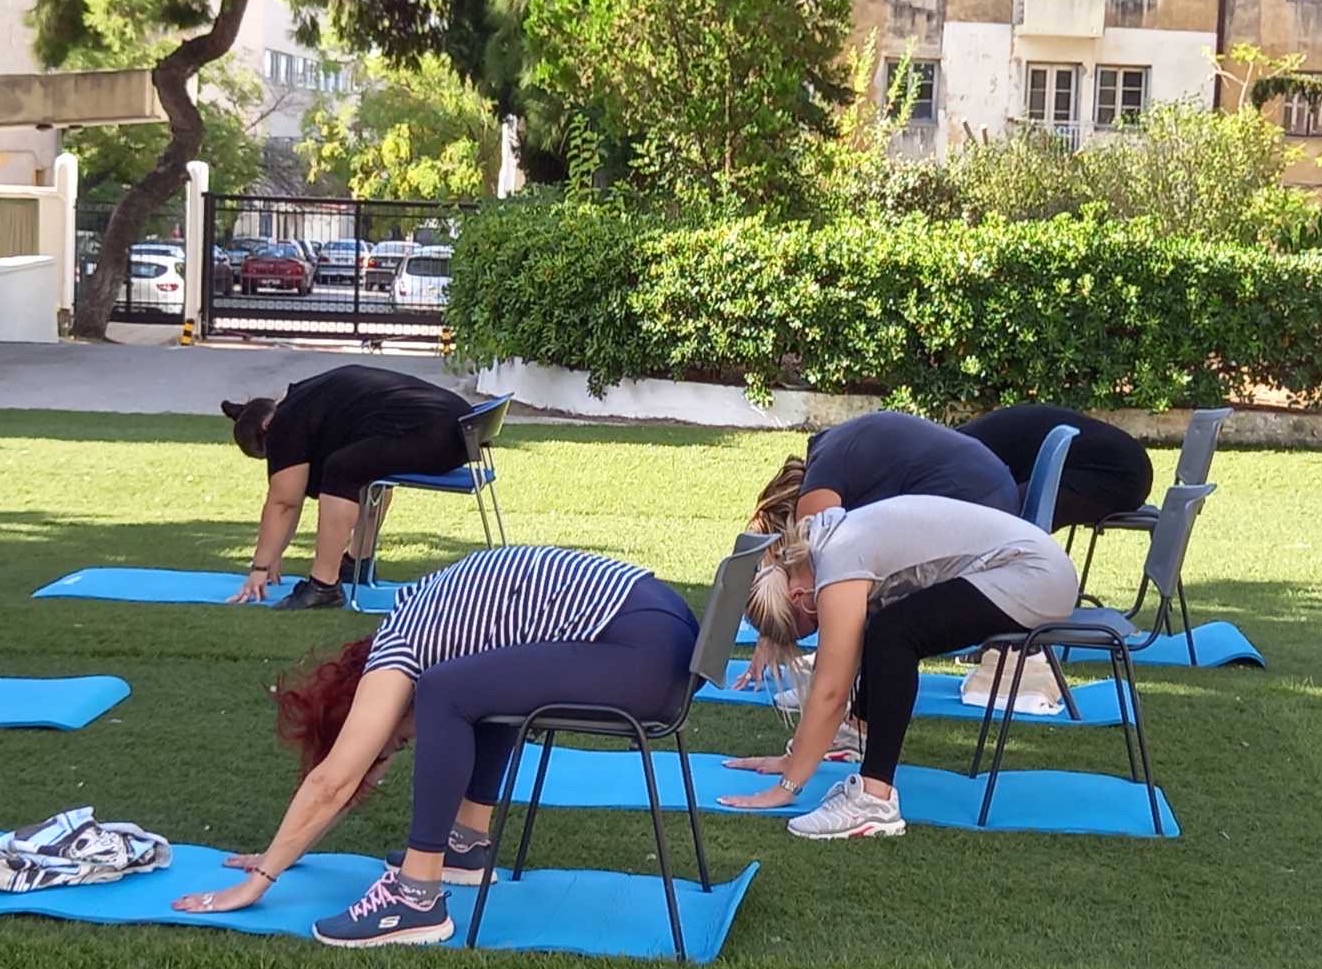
457, 876
425, 936
870, 829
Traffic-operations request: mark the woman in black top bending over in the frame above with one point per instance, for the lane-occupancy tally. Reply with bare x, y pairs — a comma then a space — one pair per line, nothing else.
328, 438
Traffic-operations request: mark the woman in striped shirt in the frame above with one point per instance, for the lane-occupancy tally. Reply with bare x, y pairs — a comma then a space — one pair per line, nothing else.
501, 632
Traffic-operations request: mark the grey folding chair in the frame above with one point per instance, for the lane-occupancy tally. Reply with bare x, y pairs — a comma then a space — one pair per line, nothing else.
479, 427
1109, 629
711, 656
1192, 468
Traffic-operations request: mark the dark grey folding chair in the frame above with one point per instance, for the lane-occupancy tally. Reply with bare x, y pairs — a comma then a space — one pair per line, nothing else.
711, 656
480, 428
1192, 468
1108, 629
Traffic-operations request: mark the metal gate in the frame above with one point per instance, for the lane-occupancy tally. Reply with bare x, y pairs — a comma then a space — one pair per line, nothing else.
153, 290
349, 269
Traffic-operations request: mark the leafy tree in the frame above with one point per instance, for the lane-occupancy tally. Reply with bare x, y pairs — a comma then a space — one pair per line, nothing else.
714, 96
66, 29
483, 41
415, 132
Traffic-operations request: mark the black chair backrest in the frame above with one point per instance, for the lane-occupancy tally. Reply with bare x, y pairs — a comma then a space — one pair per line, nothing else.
725, 607
1170, 537
482, 425
1199, 447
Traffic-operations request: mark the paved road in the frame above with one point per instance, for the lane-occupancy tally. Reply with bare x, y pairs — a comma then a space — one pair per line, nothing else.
176, 380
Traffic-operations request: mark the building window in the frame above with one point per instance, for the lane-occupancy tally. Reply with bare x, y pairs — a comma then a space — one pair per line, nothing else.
1053, 93
924, 105
1300, 118
1122, 94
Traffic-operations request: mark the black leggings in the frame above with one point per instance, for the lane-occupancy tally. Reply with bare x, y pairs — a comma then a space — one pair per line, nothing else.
1088, 497
432, 450
935, 620
639, 663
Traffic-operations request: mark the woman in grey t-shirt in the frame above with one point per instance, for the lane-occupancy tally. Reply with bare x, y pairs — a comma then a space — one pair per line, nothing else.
886, 585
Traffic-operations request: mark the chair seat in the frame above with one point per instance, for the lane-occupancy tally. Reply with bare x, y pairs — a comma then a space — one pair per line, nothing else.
460, 479
1085, 616
603, 724
1140, 519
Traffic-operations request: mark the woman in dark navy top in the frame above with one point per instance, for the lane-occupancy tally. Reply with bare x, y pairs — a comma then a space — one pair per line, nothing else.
1106, 470
503, 631
878, 456
328, 438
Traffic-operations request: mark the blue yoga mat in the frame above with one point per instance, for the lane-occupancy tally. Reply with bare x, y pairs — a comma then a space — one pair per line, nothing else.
1063, 802
1216, 643
60, 704
592, 913
938, 696
168, 585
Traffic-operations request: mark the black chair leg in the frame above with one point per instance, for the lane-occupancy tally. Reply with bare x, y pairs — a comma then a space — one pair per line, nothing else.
1001, 738
695, 824
1066, 693
1118, 676
1142, 741
662, 855
497, 833
1188, 626
538, 782
1087, 560
1069, 539
988, 714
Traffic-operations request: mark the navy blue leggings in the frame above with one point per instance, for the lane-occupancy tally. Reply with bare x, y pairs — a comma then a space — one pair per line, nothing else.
639, 663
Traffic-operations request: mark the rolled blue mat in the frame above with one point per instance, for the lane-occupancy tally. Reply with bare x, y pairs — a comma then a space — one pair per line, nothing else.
60, 704
590, 913
182, 587
1063, 802
938, 696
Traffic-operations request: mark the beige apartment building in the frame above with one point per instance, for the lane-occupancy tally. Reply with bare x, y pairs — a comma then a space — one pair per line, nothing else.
1079, 65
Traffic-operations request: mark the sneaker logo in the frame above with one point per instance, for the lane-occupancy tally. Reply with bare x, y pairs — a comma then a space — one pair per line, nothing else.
389, 922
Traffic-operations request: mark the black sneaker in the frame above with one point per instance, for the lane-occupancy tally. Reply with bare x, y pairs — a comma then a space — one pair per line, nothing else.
365, 576
461, 867
308, 595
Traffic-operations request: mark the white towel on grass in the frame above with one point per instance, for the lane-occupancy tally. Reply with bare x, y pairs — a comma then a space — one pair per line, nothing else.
73, 848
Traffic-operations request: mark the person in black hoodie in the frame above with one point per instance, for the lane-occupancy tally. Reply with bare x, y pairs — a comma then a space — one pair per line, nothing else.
1106, 470
328, 438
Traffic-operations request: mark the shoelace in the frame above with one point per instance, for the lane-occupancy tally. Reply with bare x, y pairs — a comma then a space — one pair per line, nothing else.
378, 896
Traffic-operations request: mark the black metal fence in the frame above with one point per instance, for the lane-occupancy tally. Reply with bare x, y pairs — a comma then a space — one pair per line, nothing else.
153, 290
332, 268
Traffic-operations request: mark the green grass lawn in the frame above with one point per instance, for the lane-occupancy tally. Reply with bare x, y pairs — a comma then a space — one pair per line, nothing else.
191, 753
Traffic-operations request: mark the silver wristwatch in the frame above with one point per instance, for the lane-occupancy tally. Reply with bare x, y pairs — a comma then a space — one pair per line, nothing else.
786, 784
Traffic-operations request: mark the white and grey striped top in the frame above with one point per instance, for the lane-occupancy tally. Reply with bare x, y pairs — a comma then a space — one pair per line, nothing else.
501, 597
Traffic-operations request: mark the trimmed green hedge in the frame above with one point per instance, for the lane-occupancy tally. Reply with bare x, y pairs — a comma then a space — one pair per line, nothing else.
929, 315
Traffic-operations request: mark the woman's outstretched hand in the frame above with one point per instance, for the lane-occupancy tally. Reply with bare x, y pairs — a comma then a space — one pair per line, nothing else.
246, 862
763, 765
226, 900
763, 659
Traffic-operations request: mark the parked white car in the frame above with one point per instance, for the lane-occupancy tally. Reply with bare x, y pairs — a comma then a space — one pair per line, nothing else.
154, 282
422, 279
343, 260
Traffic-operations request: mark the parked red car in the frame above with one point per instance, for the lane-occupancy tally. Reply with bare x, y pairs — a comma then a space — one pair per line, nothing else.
281, 266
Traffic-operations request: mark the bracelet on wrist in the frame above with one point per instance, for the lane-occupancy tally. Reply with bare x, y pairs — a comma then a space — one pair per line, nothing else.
786, 784
269, 878
259, 568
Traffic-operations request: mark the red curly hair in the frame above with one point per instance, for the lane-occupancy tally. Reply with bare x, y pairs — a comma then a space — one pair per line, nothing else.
312, 702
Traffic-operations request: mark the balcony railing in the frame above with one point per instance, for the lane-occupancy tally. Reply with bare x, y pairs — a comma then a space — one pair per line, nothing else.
1068, 136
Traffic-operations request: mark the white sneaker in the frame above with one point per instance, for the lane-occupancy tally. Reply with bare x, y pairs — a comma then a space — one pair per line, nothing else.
846, 747
848, 811
787, 700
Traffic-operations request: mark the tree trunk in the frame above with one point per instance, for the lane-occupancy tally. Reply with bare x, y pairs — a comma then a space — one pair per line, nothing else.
170, 76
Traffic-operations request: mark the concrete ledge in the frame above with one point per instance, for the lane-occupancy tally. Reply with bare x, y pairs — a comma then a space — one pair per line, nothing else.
713, 405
